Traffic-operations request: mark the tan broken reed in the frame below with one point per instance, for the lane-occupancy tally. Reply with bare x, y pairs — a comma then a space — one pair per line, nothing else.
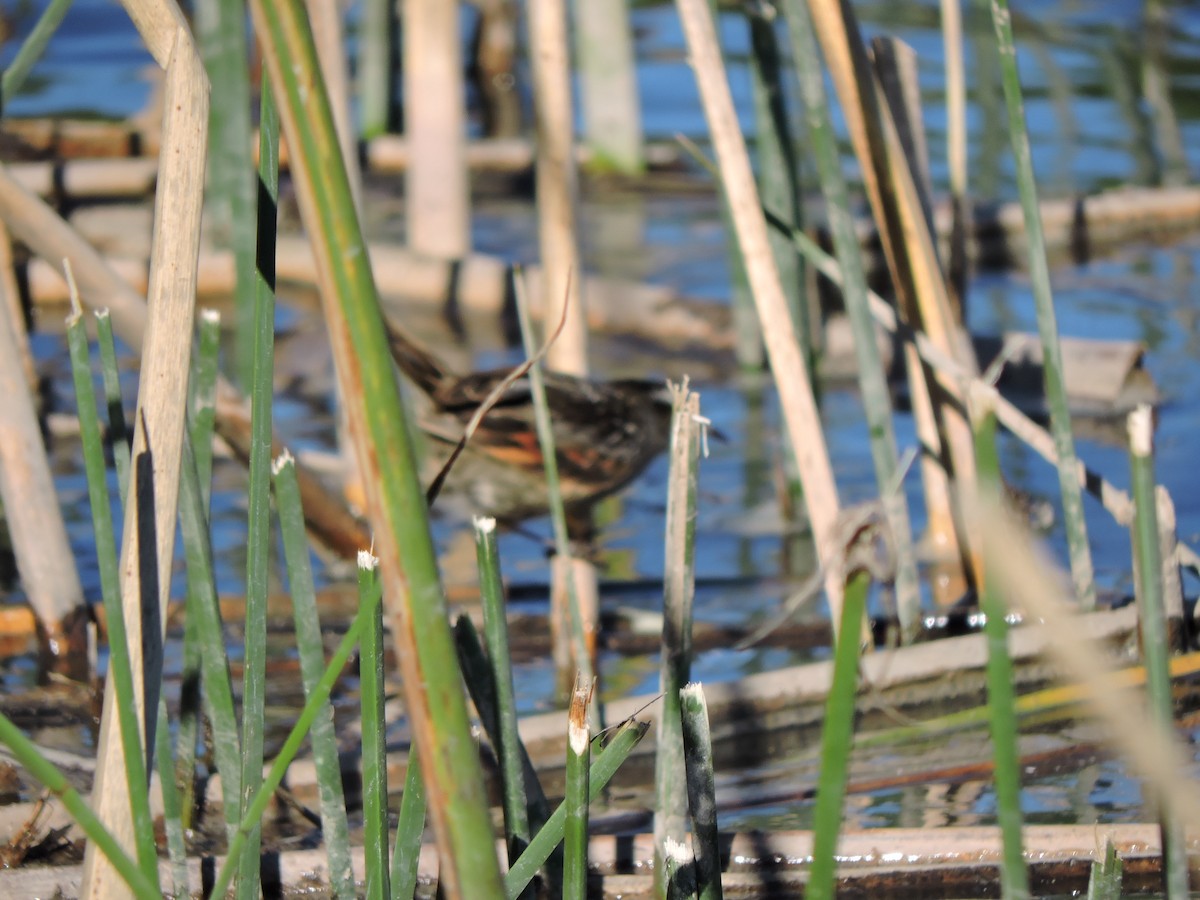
912, 260
159, 420
35, 525
795, 392
436, 190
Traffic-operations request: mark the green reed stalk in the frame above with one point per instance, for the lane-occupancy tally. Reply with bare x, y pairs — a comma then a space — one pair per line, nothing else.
702, 793
374, 742
221, 31
1152, 618
478, 674
106, 558
747, 334
778, 170
204, 616
1104, 881
375, 69
956, 148
204, 398
1082, 572
871, 376
545, 433
311, 650
679, 583
417, 604
258, 497
410, 827
118, 431
1006, 755
57, 784
495, 624
31, 50
605, 763
575, 836
837, 740
368, 610
164, 759
202, 406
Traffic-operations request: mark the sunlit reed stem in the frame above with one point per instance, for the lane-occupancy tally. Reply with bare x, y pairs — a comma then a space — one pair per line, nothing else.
366, 376
478, 674
1082, 573
368, 610
410, 826
575, 837
204, 624
311, 649
605, 763
495, 624
872, 379
1014, 875
837, 738
118, 430
374, 741
375, 72
221, 31
679, 582
56, 783
778, 172
558, 518
701, 787
260, 286
106, 556
32, 48
1152, 618
202, 409
956, 149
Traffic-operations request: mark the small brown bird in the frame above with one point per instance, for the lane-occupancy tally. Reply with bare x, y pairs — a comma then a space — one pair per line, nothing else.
605, 433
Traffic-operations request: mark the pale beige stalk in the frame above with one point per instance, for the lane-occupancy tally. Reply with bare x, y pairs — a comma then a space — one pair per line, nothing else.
39, 537
557, 185
436, 190
799, 409
159, 421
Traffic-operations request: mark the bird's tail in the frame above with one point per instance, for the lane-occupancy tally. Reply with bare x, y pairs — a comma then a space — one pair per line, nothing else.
414, 361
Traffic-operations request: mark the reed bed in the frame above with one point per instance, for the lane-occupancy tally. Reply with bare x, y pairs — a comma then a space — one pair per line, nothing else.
163, 465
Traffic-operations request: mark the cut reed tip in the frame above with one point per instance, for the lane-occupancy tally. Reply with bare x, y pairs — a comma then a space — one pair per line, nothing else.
282, 460
1141, 430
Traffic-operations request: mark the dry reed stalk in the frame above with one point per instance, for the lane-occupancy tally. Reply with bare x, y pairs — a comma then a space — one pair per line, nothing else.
11, 290
795, 391
34, 519
158, 434
912, 260
436, 189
